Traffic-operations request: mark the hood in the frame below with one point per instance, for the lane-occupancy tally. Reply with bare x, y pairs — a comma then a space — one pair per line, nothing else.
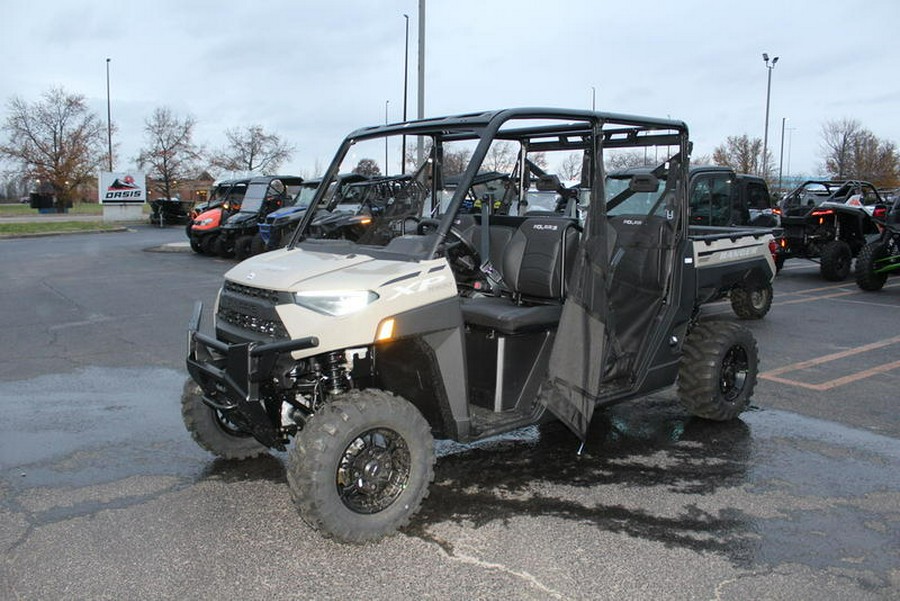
215, 213
241, 220
298, 269
286, 269
284, 212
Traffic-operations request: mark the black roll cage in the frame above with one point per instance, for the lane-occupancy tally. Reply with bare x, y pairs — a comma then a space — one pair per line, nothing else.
628, 131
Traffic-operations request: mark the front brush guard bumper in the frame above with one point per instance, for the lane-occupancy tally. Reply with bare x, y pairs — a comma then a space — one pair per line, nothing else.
230, 377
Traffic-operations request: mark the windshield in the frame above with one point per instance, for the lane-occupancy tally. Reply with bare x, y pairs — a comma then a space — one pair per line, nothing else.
232, 192
306, 193
622, 200
254, 196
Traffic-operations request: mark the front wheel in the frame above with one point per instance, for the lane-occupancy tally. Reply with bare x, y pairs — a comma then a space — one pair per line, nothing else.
751, 303
866, 276
212, 430
361, 467
836, 259
718, 370
242, 247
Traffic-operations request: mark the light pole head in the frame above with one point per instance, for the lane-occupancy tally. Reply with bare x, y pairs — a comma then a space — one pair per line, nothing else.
774, 60
765, 57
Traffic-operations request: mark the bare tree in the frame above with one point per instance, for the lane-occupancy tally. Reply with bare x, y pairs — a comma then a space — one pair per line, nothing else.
500, 157
570, 168
367, 167
454, 161
252, 149
628, 160
56, 141
851, 151
742, 154
170, 153
838, 140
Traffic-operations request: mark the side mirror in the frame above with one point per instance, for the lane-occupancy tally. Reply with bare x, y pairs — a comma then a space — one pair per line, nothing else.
644, 182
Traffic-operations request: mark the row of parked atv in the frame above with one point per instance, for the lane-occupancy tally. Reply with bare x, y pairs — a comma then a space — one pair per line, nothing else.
249, 216
830, 222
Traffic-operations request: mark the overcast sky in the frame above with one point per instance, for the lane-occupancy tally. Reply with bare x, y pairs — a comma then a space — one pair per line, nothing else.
313, 71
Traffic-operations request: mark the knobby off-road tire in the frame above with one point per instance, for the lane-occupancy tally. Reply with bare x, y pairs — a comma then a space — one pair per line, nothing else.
866, 278
211, 431
718, 370
242, 247
222, 247
207, 244
361, 467
751, 303
835, 261
257, 246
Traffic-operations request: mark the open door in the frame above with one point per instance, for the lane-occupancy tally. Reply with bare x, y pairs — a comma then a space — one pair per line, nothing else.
619, 289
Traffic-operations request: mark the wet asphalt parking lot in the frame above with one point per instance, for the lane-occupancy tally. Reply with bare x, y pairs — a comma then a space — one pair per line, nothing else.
103, 494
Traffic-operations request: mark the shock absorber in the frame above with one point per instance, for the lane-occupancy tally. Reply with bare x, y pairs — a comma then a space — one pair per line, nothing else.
336, 372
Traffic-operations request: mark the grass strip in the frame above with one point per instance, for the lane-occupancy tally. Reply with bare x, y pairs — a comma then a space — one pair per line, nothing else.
8, 230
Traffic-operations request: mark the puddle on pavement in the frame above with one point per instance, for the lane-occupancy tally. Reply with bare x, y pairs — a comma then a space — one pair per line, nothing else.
102, 425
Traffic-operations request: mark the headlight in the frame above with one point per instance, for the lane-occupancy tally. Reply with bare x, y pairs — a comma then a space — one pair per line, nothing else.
206, 221
337, 303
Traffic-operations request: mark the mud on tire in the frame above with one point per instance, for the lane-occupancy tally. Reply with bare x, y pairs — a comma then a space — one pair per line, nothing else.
212, 431
718, 370
361, 467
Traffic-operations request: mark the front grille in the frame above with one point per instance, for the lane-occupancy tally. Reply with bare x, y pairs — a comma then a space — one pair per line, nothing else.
271, 296
266, 327
252, 310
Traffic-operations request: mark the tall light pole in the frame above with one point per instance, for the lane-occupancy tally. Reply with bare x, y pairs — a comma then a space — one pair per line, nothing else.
420, 150
769, 67
593, 98
781, 154
405, 93
386, 103
108, 116
790, 131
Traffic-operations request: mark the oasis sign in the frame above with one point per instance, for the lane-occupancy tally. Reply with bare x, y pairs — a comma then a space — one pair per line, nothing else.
123, 187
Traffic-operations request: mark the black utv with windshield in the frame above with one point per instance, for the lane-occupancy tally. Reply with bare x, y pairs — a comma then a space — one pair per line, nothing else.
264, 195
352, 349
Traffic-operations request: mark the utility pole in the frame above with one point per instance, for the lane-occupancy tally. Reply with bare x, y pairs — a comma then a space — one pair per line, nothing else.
108, 116
420, 150
781, 155
405, 93
763, 168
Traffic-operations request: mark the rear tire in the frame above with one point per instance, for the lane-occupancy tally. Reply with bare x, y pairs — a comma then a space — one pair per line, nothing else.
718, 370
866, 278
212, 431
751, 303
361, 467
836, 259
